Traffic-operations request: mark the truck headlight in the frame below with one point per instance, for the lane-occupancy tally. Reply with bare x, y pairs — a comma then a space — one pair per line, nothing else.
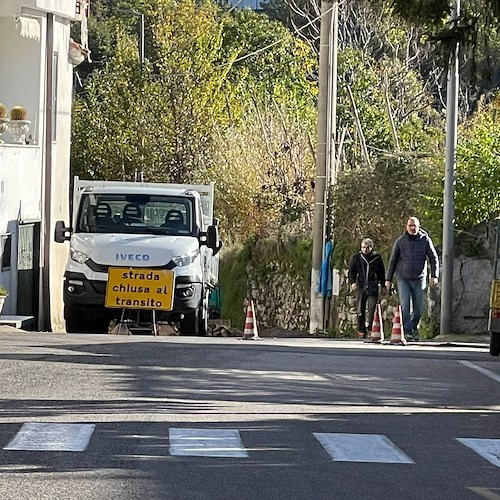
79, 257
186, 259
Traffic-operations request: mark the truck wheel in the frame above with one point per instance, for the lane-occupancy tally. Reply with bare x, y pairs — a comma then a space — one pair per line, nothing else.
495, 343
203, 317
190, 324
76, 320
196, 323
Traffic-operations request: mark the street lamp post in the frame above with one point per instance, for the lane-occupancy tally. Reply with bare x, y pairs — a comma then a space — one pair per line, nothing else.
140, 15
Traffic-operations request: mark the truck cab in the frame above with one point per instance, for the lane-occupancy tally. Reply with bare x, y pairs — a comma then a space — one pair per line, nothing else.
140, 226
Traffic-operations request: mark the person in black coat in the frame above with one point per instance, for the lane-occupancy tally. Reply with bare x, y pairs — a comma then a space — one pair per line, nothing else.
366, 273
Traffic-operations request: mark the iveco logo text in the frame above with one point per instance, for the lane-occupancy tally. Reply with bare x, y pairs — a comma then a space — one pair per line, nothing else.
132, 256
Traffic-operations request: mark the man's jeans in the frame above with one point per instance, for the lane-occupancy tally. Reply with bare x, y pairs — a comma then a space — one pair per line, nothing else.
363, 302
411, 290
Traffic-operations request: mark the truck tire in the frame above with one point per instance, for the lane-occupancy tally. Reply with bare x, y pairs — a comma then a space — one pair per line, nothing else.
495, 343
203, 316
190, 324
76, 320
196, 323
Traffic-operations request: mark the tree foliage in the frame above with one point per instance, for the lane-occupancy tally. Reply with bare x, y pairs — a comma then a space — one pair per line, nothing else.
222, 96
477, 192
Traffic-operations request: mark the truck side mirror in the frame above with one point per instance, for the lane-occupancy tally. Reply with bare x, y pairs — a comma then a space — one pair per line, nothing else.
61, 232
213, 240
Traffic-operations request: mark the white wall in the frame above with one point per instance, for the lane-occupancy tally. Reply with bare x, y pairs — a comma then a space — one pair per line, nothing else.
20, 200
23, 82
21, 74
60, 171
64, 8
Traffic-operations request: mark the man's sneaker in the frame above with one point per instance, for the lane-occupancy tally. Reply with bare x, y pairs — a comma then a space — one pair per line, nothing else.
415, 335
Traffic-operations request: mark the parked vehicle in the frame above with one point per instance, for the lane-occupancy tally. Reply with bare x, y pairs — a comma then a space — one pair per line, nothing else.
494, 318
140, 227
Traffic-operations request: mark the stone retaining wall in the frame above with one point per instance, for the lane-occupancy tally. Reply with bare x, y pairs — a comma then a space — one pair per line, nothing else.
283, 300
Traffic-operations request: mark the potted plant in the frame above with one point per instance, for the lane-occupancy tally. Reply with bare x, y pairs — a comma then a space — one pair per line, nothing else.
19, 124
3, 295
4, 119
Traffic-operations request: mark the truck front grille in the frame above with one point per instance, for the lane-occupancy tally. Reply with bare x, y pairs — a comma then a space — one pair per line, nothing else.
103, 268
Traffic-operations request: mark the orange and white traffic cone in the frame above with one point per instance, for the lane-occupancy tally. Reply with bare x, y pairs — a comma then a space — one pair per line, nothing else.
250, 331
397, 335
377, 333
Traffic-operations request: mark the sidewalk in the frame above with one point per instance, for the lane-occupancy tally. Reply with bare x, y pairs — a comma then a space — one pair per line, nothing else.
458, 339
471, 339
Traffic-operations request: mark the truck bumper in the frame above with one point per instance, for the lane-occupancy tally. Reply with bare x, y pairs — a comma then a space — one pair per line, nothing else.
82, 293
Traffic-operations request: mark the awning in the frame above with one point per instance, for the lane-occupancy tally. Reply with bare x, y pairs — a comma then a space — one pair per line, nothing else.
28, 27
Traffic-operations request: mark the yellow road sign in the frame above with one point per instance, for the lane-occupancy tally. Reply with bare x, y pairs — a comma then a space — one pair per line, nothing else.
495, 295
131, 288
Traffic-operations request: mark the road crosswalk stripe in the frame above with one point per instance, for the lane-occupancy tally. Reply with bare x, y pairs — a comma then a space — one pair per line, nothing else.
362, 448
206, 442
487, 448
45, 436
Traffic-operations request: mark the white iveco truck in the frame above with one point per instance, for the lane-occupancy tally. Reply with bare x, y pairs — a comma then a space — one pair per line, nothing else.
148, 249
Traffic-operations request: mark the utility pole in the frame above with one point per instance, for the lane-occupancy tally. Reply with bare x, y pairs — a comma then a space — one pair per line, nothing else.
140, 15
324, 154
449, 187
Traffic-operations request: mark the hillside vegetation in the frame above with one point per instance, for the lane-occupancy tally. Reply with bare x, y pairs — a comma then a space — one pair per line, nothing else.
230, 96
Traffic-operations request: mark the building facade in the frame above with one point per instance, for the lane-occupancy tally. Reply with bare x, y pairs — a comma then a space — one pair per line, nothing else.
37, 57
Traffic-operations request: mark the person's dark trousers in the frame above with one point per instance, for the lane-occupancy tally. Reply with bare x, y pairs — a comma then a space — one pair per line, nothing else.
365, 302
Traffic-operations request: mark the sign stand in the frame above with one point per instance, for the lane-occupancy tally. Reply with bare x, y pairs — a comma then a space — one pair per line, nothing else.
124, 323
154, 323
140, 289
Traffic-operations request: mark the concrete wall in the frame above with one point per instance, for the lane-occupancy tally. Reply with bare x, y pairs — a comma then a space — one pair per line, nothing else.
59, 191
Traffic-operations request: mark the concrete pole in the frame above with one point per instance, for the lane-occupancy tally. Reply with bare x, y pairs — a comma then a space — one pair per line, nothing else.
141, 36
449, 189
320, 191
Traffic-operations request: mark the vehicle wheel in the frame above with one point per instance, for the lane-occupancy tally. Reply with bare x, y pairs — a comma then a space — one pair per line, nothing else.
196, 323
76, 320
190, 324
495, 343
203, 317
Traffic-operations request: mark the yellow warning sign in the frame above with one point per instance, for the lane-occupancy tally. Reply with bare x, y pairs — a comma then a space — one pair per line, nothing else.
140, 288
495, 295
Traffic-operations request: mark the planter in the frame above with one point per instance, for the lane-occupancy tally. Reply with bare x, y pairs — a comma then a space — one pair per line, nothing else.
3, 127
18, 129
2, 300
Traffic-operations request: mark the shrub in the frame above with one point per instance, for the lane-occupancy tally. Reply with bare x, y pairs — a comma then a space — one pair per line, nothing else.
18, 113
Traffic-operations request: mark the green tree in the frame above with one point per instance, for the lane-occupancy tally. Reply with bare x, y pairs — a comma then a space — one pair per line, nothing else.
478, 167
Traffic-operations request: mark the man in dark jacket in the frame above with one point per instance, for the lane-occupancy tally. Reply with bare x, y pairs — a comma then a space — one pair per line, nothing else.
366, 272
409, 262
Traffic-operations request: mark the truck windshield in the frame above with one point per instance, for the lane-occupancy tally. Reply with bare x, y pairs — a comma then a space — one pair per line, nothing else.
135, 213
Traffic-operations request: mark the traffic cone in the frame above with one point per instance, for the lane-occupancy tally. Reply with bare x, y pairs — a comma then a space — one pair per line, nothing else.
377, 333
250, 331
397, 335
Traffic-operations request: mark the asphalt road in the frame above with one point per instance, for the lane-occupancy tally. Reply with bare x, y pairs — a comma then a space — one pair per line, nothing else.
139, 417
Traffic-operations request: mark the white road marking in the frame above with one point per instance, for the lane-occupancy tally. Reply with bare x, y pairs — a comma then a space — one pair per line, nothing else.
37, 436
362, 448
484, 371
487, 448
488, 493
206, 442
